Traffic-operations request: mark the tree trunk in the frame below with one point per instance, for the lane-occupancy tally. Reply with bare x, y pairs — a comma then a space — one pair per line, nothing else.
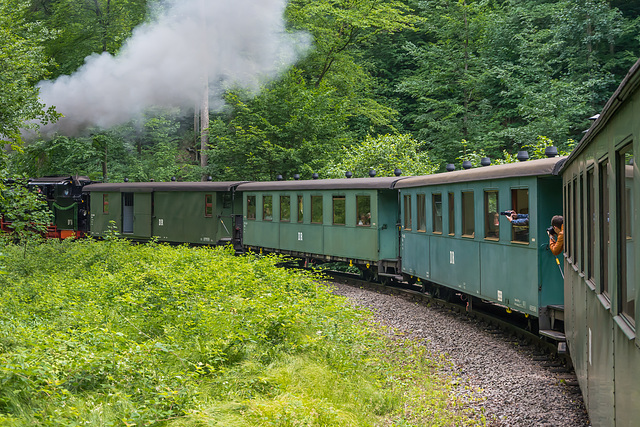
204, 129
104, 165
465, 124
204, 106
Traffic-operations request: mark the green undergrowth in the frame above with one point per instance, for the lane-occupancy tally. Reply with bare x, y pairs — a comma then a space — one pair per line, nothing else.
113, 334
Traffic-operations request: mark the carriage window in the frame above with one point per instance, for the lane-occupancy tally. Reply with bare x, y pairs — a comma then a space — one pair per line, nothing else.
363, 208
604, 227
316, 209
436, 206
625, 190
491, 215
421, 208
520, 225
285, 208
407, 212
574, 221
300, 209
267, 208
208, 205
591, 228
105, 203
339, 210
468, 214
251, 207
580, 214
566, 207
452, 216
226, 200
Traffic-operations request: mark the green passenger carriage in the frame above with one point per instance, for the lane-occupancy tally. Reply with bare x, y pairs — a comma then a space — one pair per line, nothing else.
352, 220
454, 237
185, 212
601, 185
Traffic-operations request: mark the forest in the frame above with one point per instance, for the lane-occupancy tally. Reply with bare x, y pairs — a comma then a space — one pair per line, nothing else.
150, 89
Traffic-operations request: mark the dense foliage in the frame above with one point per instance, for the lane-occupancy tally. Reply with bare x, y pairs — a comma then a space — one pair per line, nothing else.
106, 333
22, 64
454, 75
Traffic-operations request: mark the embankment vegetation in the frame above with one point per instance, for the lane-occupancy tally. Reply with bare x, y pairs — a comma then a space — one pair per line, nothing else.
108, 333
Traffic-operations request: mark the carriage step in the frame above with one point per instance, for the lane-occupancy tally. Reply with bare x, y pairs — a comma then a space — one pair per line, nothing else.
554, 335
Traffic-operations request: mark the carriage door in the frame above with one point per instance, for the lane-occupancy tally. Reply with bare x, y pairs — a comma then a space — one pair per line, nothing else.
127, 213
136, 214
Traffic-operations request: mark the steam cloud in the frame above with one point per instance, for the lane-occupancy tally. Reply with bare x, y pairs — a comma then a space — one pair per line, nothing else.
165, 62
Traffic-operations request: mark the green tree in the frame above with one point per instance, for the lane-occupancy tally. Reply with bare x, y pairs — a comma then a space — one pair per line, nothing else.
383, 154
290, 127
448, 83
27, 212
22, 64
85, 27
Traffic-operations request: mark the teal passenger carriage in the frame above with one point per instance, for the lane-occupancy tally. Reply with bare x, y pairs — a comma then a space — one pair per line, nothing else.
453, 235
352, 220
601, 184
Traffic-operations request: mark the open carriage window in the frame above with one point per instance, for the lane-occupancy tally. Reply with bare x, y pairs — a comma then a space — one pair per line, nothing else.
251, 207
267, 208
300, 209
316, 209
363, 208
407, 212
421, 208
520, 225
491, 215
436, 202
468, 215
285, 208
208, 205
452, 215
339, 210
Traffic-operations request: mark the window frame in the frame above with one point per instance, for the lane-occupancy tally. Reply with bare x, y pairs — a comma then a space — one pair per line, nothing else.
466, 196
487, 215
359, 212
406, 203
266, 217
208, 205
286, 203
516, 206
452, 214
624, 234
343, 200
105, 203
300, 208
314, 207
252, 208
421, 214
591, 226
436, 219
605, 226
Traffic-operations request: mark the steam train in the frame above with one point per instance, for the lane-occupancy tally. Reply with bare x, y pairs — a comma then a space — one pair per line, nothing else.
444, 230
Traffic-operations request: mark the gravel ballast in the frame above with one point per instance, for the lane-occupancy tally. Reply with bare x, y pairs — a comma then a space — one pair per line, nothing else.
491, 373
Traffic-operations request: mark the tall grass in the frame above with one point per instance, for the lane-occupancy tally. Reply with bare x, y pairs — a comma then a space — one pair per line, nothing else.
109, 333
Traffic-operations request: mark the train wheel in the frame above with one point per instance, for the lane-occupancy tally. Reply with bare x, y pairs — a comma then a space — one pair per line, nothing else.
443, 293
369, 275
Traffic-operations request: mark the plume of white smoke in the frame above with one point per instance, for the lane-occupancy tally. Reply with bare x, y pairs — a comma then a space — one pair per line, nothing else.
165, 62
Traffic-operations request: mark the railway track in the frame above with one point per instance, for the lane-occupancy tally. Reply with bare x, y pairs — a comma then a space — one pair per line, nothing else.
494, 320
500, 370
